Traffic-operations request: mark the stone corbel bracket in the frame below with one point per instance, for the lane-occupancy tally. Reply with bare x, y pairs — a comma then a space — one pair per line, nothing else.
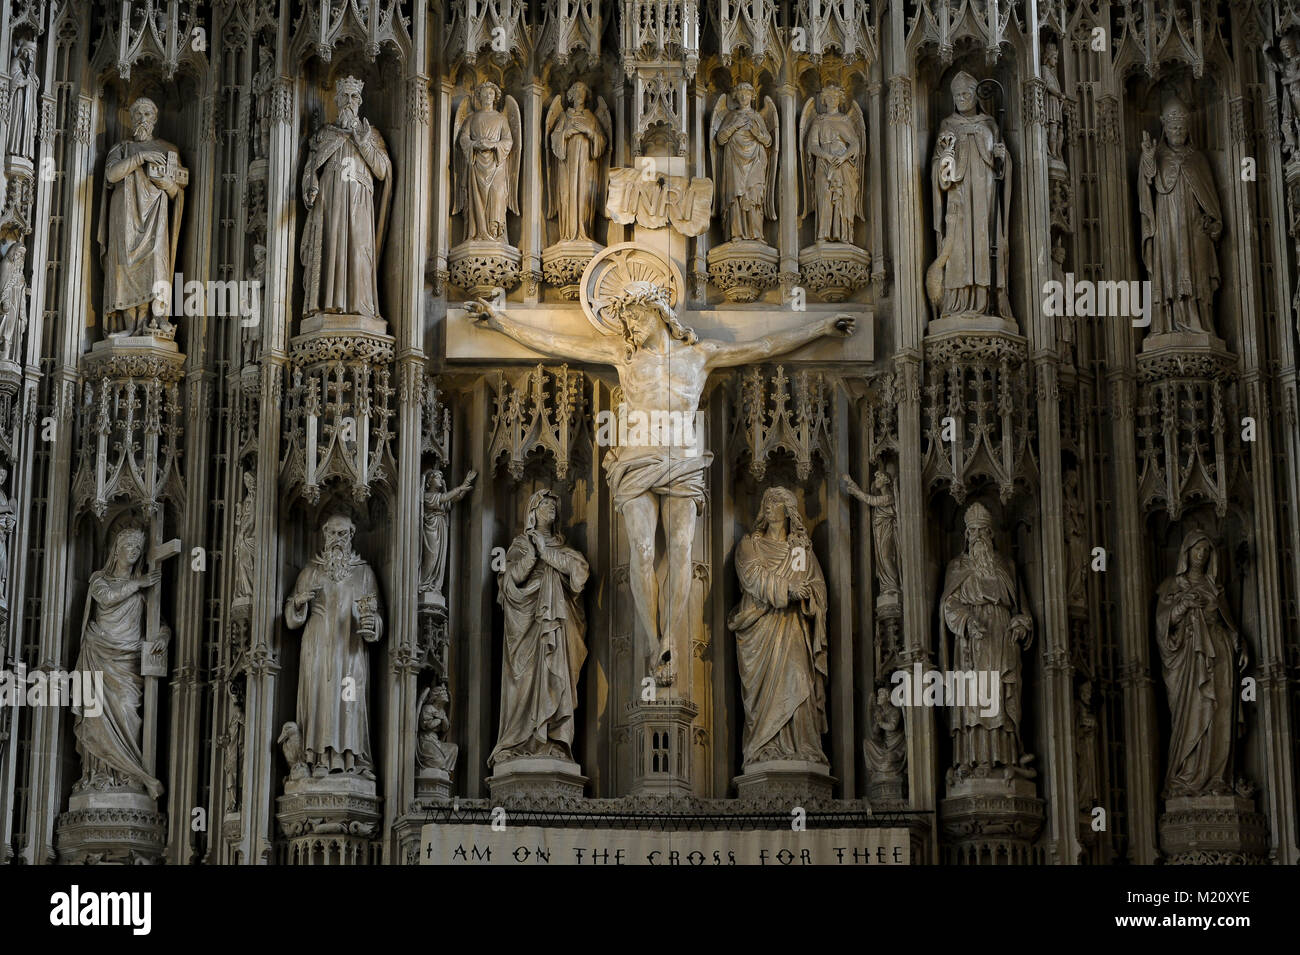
130, 432
1187, 418
538, 410
765, 422
338, 415
978, 413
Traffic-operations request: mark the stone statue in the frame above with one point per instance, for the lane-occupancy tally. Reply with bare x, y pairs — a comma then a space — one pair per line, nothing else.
886, 748
23, 115
780, 636
139, 226
545, 627
488, 142
291, 746
749, 143
1202, 653
884, 530
662, 366
980, 609
245, 540
344, 234
780, 628
1052, 101
433, 539
1291, 93
578, 140
1085, 749
432, 750
1181, 225
263, 90
8, 523
833, 149
233, 742
1077, 552
971, 175
13, 302
337, 596
113, 637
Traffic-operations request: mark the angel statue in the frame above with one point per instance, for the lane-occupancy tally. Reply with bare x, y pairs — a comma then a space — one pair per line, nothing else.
833, 144
578, 141
487, 162
743, 147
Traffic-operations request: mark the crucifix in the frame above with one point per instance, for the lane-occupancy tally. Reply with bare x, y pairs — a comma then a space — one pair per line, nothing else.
153, 651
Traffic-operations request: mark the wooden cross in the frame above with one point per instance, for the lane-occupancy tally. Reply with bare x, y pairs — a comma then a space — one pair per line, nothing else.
152, 667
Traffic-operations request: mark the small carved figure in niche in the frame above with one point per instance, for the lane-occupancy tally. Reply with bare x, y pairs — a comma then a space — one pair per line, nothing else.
833, 149
139, 226
488, 143
971, 174
8, 522
1181, 226
884, 529
540, 591
1052, 102
1077, 552
1202, 653
746, 169
245, 539
1291, 90
233, 742
113, 635
1085, 749
344, 235
578, 139
432, 749
886, 748
13, 302
263, 90
438, 502
780, 628
981, 610
23, 84
337, 597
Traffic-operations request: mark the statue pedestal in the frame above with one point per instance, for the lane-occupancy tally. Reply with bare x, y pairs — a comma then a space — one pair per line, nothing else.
113, 826
337, 323
537, 778
1213, 830
966, 324
991, 821
479, 266
661, 746
432, 785
329, 820
564, 263
887, 789
834, 270
743, 269
787, 780
1185, 355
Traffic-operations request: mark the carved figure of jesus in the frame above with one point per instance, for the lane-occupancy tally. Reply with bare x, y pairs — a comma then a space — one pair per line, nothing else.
662, 366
